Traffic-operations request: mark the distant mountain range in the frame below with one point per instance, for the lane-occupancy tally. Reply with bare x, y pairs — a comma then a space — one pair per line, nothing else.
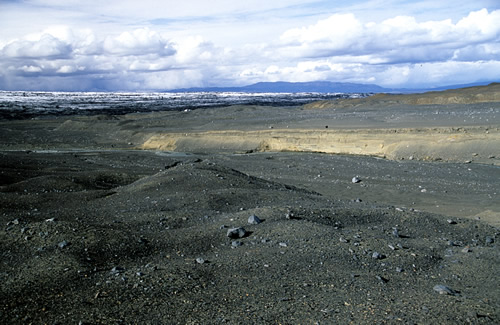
318, 87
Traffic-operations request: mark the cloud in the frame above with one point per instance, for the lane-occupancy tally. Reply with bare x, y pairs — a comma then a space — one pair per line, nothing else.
195, 49
131, 56
138, 42
338, 32
394, 51
31, 69
395, 40
46, 47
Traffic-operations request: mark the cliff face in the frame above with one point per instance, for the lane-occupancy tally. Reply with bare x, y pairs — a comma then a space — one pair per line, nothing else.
449, 144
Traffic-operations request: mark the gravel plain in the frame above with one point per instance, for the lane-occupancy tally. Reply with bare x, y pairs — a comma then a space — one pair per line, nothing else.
96, 231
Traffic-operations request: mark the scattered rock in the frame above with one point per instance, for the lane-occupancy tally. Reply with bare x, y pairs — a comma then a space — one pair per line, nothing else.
63, 244
289, 215
234, 233
444, 290
395, 232
50, 220
377, 256
466, 249
382, 279
200, 260
399, 269
254, 220
356, 180
451, 222
343, 240
117, 270
283, 244
454, 243
236, 243
489, 240
13, 222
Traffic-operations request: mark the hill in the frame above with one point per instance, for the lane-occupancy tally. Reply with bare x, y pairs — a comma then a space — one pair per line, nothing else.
468, 95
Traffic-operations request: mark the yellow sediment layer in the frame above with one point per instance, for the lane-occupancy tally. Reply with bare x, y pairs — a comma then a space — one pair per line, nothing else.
423, 143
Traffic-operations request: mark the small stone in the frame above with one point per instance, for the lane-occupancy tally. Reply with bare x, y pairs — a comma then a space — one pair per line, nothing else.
466, 249
356, 180
200, 260
117, 270
382, 279
451, 222
392, 247
395, 232
254, 220
50, 220
283, 244
489, 240
399, 269
454, 243
13, 222
343, 240
234, 233
377, 256
63, 244
236, 243
444, 290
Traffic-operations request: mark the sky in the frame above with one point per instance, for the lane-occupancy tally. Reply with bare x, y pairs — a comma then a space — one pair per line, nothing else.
148, 45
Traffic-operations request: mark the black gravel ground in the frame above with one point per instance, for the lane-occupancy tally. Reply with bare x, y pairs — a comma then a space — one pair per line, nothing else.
123, 237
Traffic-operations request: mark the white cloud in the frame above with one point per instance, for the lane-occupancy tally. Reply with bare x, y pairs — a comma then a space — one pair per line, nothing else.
396, 40
31, 69
195, 50
68, 69
395, 51
46, 46
139, 42
339, 31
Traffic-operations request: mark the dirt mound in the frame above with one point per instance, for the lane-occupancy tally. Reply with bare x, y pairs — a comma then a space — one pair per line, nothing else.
470, 95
